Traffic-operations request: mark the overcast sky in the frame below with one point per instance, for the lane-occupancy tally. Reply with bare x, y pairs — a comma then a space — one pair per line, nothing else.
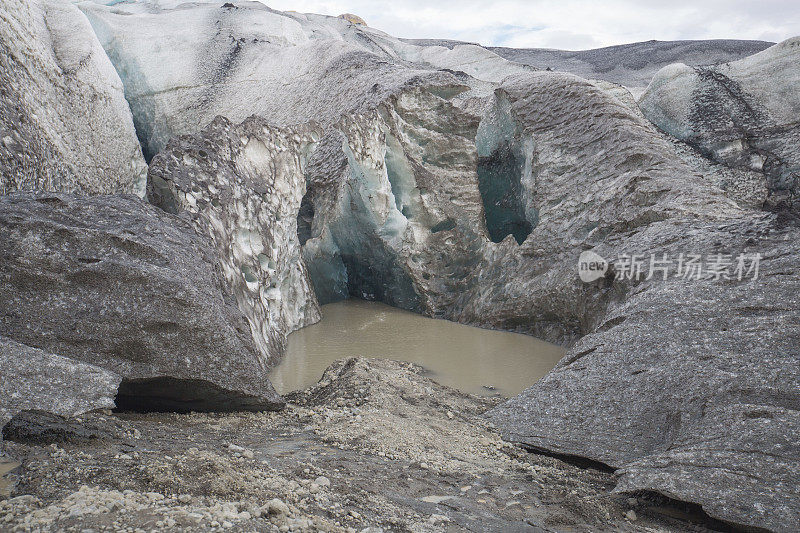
567, 24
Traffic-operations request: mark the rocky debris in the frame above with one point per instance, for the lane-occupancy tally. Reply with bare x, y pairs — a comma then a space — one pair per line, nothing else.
401, 417
633, 65
34, 380
153, 511
64, 122
242, 186
743, 114
178, 471
114, 282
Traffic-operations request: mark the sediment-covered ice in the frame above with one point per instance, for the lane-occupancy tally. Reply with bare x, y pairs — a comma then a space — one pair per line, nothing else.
743, 114
242, 185
286, 67
64, 122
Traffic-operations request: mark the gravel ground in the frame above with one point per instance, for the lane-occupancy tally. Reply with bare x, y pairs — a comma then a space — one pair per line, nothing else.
375, 445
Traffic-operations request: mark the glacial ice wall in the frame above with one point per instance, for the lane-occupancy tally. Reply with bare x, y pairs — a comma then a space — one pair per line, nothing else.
243, 186
241, 59
397, 207
64, 122
742, 114
504, 173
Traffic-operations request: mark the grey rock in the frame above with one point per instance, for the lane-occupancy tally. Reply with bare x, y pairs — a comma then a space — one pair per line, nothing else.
35, 380
242, 186
117, 283
742, 114
64, 122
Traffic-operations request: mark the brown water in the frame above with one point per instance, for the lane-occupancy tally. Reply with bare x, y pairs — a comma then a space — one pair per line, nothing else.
474, 360
6, 466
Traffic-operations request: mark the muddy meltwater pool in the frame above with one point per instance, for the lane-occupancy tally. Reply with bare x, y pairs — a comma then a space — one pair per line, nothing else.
6, 466
474, 360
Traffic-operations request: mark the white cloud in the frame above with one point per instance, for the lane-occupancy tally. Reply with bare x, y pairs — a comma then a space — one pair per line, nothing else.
570, 24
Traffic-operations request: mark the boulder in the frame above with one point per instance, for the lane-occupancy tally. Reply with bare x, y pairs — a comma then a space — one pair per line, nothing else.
35, 380
117, 283
64, 122
743, 114
242, 185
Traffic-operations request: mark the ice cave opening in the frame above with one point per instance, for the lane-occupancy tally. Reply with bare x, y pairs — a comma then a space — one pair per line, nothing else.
505, 158
502, 194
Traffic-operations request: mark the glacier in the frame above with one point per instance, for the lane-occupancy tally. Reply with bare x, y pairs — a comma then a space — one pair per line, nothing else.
323, 159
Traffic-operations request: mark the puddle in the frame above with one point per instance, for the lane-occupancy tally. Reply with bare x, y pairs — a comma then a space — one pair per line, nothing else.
6, 467
473, 360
